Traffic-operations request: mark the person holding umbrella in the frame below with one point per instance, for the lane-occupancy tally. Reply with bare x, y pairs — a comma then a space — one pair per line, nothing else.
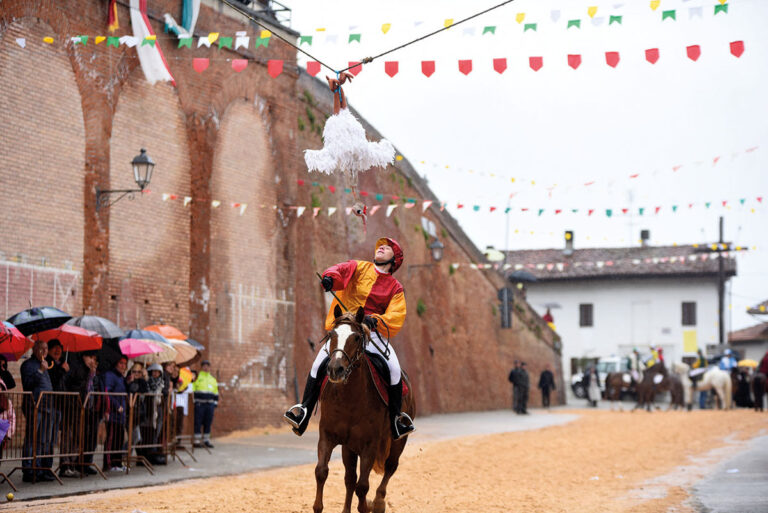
115, 416
35, 379
85, 379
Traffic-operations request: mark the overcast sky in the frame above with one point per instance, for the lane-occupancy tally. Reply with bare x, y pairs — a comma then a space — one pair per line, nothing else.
562, 128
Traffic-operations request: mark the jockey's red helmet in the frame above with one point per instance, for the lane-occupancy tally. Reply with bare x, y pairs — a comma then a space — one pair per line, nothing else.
396, 249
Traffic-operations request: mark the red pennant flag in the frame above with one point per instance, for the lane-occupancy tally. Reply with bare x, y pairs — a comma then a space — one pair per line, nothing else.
725, 202
493, 208
759, 199
363, 193
624, 210
200, 64
536, 63
558, 210
574, 60
332, 189
391, 68
589, 183
591, 211
652, 55
239, 64
395, 197
694, 52
737, 48
612, 58
657, 210
428, 67
500, 65
300, 182
313, 68
355, 67
465, 66
635, 175
274, 67
690, 205
676, 168
714, 160
459, 206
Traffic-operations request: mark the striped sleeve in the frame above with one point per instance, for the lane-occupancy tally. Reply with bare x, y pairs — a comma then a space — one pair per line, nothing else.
394, 317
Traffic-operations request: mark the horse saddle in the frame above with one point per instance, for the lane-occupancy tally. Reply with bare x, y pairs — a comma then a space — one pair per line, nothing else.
379, 370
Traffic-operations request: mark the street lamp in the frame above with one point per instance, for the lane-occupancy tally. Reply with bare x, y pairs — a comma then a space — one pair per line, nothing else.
142, 165
437, 249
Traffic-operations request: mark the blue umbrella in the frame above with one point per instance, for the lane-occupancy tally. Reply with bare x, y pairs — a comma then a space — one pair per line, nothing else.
39, 318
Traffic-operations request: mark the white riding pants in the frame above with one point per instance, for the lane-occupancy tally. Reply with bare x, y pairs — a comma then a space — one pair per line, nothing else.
392, 362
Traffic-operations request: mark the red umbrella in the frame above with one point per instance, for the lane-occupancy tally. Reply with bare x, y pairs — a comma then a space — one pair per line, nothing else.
12, 343
73, 339
169, 332
133, 347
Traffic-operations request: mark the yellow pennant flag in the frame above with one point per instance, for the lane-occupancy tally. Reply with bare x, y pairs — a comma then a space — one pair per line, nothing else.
399, 158
722, 2
265, 34
520, 17
100, 39
448, 22
592, 11
655, 4
322, 29
385, 27
48, 40
212, 37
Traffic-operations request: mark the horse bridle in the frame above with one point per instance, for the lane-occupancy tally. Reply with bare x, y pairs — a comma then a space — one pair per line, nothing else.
352, 362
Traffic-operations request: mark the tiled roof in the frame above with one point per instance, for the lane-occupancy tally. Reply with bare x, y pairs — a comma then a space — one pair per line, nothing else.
757, 332
762, 308
613, 263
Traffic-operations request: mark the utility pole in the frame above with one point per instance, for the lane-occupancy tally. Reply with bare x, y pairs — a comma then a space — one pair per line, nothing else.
721, 287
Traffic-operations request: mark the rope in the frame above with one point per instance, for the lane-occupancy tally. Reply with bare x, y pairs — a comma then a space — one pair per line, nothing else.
367, 60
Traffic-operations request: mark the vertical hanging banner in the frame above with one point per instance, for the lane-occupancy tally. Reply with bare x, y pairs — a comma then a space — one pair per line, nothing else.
112, 22
428, 68
151, 57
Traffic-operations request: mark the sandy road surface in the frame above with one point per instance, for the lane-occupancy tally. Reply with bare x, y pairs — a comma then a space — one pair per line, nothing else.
604, 461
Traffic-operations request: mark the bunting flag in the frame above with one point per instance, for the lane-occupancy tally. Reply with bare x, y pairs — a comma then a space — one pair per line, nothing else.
465, 66
500, 65
612, 59
274, 67
313, 68
391, 68
536, 63
151, 57
428, 68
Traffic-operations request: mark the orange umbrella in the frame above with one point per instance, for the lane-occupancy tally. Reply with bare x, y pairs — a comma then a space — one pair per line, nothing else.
167, 331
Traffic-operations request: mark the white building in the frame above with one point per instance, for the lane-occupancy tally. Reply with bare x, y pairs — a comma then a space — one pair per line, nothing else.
605, 301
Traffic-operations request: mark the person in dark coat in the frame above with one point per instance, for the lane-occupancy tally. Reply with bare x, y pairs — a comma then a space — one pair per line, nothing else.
35, 379
115, 416
546, 383
85, 380
5, 374
513, 378
525, 387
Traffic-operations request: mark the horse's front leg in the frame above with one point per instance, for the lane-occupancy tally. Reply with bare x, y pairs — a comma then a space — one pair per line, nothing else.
363, 483
350, 476
324, 450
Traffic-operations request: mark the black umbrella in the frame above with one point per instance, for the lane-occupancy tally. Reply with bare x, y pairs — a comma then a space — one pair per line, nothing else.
102, 326
194, 343
145, 335
521, 276
109, 354
39, 318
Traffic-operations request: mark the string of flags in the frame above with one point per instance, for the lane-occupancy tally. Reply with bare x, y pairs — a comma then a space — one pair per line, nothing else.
632, 175
524, 22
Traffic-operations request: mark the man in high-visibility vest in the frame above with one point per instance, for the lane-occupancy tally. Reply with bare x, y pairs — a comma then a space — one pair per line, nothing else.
205, 392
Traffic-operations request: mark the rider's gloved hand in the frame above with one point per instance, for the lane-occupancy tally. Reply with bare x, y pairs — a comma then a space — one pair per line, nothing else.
371, 322
327, 283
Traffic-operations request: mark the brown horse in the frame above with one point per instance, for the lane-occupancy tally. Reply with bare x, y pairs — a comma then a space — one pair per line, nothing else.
353, 416
615, 384
653, 382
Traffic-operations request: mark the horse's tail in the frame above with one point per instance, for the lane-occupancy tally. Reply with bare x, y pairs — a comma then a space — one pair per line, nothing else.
382, 454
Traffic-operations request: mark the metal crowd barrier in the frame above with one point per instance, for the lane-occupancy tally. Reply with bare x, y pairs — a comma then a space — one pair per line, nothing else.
12, 446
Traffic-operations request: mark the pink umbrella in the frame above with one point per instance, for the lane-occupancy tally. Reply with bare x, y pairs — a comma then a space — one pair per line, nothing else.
133, 347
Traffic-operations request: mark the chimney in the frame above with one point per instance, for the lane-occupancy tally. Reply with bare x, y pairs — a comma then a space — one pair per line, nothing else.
568, 243
645, 237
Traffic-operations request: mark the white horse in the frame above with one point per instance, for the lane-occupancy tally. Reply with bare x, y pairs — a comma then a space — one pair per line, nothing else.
719, 381
681, 370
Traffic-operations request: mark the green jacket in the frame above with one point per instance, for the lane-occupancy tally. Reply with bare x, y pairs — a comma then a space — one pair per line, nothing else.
205, 389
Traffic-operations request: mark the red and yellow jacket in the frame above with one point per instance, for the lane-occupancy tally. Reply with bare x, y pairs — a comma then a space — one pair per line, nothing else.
380, 294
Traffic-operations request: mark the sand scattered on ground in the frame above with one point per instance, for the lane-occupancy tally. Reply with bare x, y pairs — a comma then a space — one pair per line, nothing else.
598, 463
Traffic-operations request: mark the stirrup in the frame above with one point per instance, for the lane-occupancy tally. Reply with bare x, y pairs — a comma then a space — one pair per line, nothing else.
295, 420
407, 428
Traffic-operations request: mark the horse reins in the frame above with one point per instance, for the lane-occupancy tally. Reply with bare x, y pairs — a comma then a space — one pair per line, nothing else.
352, 362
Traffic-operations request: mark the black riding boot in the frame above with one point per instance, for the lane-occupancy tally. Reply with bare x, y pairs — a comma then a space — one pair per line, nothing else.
399, 421
299, 414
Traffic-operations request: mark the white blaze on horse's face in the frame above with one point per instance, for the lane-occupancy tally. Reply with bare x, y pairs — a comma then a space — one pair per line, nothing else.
338, 362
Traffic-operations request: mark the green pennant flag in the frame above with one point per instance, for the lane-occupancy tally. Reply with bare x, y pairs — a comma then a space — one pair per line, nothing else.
640, 210
305, 39
614, 19
574, 23
113, 41
262, 41
185, 41
148, 42
707, 204
674, 208
721, 8
529, 26
575, 210
541, 211
347, 190
225, 42
315, 184
506, 210
668, 14
608, 212
742, 200
83, 40
379, 197
476, 208
491, 29
412, 200
354, 37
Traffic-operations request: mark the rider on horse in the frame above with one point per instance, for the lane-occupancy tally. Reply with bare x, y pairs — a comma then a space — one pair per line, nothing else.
635, 365
372, 286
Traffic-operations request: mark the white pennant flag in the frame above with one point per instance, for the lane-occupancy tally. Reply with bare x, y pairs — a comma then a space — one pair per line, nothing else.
215, 203
331, 38
598, 21
129, 41
554, 15
315, 211
469, 31
166, 196
242, 40
374, 209
390, 208
21, 42
425, 205
473, 266
331, 211
300, 210
243, 206
694, 11
203, 41
349, 210
187, 200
